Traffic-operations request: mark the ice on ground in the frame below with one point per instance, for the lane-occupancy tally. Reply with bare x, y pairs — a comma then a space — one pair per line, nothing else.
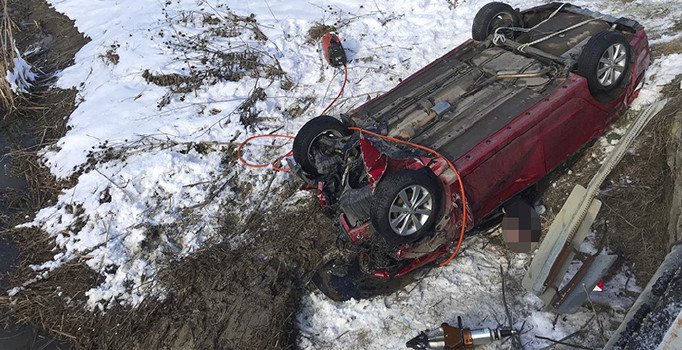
21, 76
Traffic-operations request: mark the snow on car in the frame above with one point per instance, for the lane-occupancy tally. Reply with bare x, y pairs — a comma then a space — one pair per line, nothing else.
407, 173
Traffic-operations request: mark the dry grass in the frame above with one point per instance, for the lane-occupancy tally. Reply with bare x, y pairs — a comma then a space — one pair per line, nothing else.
7, 27
637, 201
316, 32
56, 303
41, 305
633, 220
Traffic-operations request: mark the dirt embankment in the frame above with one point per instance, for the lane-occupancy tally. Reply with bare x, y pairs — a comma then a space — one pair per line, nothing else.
637, 196
218, 298
236, 299
40, 117
674, 151
638, 199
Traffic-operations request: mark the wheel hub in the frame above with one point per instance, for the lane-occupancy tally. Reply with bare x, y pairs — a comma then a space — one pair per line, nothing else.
499, 21
316, 147
410, 210
611, 64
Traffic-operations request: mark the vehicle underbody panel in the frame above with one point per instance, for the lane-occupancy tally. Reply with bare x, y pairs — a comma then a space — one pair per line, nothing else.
505, 117
476, 92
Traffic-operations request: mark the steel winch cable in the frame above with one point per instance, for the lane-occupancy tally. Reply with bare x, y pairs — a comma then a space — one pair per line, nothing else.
497, 37
522, 47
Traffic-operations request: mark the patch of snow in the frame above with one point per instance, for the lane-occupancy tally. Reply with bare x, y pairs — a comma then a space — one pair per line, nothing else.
666, 39
661, 72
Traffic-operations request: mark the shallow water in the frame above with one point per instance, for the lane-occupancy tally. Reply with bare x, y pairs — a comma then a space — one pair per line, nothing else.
6, 179
13, 336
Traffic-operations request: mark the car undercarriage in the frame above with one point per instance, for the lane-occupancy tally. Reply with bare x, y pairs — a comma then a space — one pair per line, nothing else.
492, 116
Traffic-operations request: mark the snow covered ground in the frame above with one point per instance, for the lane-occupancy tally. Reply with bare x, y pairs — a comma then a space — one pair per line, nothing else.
167, 89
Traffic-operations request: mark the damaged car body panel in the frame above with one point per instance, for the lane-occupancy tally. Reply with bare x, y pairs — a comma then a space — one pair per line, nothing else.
504, 111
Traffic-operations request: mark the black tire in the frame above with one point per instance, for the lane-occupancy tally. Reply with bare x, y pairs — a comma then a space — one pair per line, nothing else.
307, 136
387, 193
590, 62
492, 16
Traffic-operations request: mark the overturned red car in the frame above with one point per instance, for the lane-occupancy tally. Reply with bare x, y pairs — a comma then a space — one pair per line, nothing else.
504, 109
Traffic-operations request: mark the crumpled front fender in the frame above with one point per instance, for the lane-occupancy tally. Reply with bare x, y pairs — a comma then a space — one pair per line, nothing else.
375, 162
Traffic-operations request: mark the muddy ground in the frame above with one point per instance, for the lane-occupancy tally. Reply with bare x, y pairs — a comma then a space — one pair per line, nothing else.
223, 298
39, 119
247, 298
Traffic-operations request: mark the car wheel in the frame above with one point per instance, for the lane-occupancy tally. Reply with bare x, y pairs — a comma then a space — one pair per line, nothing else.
310, 143
406, 205
605, 62
492, 16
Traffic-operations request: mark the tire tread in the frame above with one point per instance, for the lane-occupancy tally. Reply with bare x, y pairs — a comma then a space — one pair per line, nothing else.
308, 132
479, 29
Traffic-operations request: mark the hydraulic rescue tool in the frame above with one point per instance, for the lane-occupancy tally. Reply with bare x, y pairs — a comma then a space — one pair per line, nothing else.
456, 338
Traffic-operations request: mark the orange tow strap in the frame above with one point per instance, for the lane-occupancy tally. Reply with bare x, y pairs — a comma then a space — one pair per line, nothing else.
274, 163
264, 165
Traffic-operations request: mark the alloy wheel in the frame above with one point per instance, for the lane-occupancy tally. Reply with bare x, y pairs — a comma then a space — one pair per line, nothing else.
611, 64
410, 210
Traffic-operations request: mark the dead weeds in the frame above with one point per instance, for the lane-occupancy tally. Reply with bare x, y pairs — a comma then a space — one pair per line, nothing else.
37, 122
636, 202
111, 56
316, 32
225, 49
638, 195
57, 302
248, 113
177, 83
7, 56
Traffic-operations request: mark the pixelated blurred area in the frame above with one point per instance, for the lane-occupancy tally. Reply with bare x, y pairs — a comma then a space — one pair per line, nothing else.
520, 226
